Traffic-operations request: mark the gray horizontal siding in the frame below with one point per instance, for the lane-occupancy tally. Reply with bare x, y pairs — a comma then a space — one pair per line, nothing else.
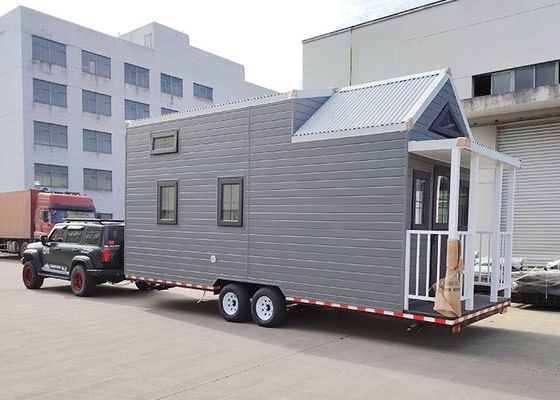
323, 220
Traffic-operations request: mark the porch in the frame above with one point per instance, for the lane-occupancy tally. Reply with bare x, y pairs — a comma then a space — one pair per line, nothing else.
487, 253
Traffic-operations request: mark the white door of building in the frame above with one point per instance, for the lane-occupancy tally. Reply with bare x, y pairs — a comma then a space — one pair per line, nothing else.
536, 228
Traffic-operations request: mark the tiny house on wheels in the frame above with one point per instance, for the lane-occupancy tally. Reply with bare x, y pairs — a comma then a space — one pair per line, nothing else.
339, 198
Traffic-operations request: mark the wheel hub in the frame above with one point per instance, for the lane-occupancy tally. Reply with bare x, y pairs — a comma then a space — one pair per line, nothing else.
264, 308
78, 281
27, 275
230, 303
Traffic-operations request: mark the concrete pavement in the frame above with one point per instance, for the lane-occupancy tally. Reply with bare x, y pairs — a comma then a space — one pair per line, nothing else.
128, 344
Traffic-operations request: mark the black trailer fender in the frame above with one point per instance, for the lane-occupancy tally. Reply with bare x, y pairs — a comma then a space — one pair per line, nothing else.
85, 260
32, 255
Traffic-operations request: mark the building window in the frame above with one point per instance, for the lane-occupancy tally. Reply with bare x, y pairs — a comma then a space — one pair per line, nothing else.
49, 93
167, 111
98, 142
135, 110
49, 51
420, 199
163, 142
171, 85
96, 103
463, 206
167, 201
442, 188
46, 134
230, 201
98, 179
445, 123
516, 79
203, 92
96, 64
137, 76
54, 176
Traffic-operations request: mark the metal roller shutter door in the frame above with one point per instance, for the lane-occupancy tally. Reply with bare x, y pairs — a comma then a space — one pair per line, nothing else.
536, 225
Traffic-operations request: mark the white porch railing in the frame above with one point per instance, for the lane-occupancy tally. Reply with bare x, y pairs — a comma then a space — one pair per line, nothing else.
425, 264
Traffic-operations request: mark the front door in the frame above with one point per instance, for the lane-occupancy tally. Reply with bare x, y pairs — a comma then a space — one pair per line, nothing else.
52, 262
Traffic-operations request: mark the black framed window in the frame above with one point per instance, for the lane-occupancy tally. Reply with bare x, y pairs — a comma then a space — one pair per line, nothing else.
74, 234
230, 201
445, 124
92, 235
464, 206
167, 202
163, 142
420, 199
442, 185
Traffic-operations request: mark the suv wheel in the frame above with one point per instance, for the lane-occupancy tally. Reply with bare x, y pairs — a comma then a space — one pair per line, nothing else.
82, 284
31, 279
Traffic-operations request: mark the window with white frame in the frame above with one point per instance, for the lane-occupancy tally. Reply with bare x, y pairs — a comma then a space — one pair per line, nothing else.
53, 176
136, 75
96, 103
49, 93
96, 64
98, 179
171, 85
167, 111
516, 79
135, 110
203, 92
46, 134
98, 142
48, 51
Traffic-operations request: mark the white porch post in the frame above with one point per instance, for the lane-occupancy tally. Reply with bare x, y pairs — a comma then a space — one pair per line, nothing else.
496, 219
471, 237
509, 230
454, 192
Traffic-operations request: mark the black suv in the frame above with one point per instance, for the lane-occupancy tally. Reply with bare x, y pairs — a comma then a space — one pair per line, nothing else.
85, 252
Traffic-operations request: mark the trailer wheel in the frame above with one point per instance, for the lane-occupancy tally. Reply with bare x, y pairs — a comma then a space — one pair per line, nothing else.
234, 303
268, 307
31, 279
82, 284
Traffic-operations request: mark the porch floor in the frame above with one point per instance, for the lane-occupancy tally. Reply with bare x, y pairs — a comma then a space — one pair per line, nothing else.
426, 308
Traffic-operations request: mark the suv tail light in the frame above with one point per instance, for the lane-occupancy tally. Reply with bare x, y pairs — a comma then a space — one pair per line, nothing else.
105, 256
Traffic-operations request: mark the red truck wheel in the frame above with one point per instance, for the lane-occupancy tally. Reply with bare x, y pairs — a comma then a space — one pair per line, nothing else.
31, 279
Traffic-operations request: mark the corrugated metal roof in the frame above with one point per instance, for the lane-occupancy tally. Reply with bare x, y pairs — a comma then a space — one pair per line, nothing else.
371, 105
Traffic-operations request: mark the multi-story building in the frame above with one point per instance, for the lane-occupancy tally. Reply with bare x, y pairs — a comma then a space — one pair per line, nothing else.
66, 91
504, 58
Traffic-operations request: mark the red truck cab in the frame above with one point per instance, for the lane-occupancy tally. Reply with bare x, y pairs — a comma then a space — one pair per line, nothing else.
53, 207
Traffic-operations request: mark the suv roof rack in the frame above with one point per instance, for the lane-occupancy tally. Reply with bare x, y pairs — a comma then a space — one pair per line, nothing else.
98, 220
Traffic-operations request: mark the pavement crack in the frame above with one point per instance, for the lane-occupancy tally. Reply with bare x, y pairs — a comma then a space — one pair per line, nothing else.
254, 367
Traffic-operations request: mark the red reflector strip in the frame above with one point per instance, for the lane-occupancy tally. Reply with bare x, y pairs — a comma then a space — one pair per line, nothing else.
173, 283
400, 314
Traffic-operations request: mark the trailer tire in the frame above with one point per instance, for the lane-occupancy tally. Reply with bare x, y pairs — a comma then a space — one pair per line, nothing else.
82, 284
268, 307
234, 303
31, 279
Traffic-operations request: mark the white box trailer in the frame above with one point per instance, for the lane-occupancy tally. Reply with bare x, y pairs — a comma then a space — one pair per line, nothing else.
339, 198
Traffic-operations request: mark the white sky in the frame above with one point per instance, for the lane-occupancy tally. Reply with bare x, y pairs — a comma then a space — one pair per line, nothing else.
263, 35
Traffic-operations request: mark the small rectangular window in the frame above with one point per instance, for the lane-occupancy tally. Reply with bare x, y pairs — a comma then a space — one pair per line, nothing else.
74, 235
96, 103
136, 75
167, 201
524, 78
164, 142
98, 142
92, 235
463, 206
501, 83
167, 111
54, 176
96, 64
49, 93
171, 85
98, 179
203, 92
230, 201
420, 199
545, 74
46, 134
49, 51
135, 110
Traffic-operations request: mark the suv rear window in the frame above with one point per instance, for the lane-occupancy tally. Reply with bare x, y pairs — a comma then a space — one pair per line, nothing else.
114, 235
92, 235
